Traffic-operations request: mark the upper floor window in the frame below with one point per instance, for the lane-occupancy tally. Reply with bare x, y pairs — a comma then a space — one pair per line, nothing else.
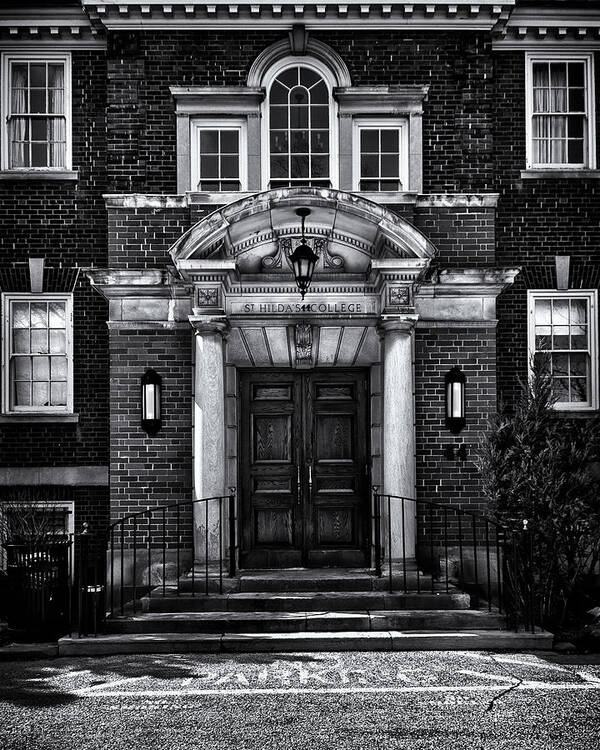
560, 105
36, 106
37, 354
299, 128
381, 155
218, 155
563, 331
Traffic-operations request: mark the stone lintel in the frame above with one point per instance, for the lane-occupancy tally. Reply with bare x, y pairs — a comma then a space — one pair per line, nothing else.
88, 476
457, 200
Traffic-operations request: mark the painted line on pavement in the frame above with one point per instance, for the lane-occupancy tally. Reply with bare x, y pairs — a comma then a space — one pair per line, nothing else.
527, 685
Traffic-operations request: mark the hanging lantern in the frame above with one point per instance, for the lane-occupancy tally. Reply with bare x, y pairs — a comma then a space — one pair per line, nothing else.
455, 381
151, 402
303, 259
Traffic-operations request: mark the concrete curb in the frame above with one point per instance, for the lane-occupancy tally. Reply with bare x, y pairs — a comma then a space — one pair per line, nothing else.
161, 643
19, 651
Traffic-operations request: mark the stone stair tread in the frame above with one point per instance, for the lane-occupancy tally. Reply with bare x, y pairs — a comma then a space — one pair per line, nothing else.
247, 642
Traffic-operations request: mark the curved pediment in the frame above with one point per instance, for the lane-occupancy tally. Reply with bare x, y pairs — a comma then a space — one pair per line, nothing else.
347, 231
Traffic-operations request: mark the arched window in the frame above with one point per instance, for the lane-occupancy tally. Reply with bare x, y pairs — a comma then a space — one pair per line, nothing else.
299, 129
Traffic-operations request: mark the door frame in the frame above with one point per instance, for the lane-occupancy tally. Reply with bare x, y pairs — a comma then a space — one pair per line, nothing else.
320, 557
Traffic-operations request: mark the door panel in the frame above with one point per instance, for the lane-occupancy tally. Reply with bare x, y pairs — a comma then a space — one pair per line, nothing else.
303, 456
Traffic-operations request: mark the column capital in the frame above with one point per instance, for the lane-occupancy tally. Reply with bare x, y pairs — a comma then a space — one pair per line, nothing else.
209, 324
401, 323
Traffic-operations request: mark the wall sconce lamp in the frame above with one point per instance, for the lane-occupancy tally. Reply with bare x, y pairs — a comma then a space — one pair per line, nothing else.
455, 381
151, 402
303, 259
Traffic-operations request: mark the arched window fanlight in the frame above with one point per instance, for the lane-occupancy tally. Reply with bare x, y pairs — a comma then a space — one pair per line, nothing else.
299, 129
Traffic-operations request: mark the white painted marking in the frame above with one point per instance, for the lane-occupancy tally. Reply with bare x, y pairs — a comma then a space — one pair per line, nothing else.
529, 685
103, 685
488, 675
536, 664
588, 677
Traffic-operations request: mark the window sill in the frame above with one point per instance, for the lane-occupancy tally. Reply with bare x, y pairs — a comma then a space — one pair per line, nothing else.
39, 418
560, 174
39, 174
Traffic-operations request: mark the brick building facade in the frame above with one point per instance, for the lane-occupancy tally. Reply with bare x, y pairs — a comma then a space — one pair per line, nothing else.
150, 157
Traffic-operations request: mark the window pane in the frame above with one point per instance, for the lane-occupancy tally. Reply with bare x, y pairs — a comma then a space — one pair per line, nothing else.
20, 314
579, 337
577, 74
542, 312
369, 166
58, 394
37, 75
299, 117
229, 142
209, 141
308, 77
560, 364
576, 100
299, 166
56, 101
579, 364
40, 394
279, 166
543, 338
319, 117
389, 140
39, 129
560, 389
579, 389
389, 165
369, 141
320, 166
576, 126
37, 101
39, 155
369, 185
279, 118
58, 342
390, 185
41, 368
58, 368
319, 141
560, 312
39, 341
57, 315
560, 339
299, 141
575, 152
209, 166
229, 166
39, 315
22, 368
299, 95
540, 74
279, 141
558, 74
279, 94
319, 94
289, 77
21, 341
22, 394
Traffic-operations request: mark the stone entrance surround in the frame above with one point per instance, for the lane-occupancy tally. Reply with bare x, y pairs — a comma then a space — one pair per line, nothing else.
383, 297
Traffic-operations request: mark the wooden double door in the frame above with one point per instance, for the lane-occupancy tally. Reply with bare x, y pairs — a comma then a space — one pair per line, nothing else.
304, 487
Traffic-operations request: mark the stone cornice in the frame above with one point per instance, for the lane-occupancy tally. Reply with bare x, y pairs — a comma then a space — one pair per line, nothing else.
458, 200
533, 26
206, 100
222, 14
373, 100
465, 282
39, 26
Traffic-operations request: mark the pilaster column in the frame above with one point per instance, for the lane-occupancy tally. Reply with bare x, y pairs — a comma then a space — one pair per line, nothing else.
209, 427
399, 426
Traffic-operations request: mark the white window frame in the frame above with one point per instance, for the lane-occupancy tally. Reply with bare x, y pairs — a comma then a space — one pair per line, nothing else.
68, 505
6, 60
590, 136
591, 296
7, 298
276, 69
381, 123
197, 125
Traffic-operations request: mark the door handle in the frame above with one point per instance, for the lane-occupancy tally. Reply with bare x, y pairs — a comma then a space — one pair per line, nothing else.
310, 478
299, 486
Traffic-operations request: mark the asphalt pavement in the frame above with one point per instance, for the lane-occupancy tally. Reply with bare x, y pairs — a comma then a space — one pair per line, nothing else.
334, 701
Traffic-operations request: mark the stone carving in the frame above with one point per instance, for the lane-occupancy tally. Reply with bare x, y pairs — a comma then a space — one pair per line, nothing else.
284, 246
207, 297
321, 248
303, 340
398, 296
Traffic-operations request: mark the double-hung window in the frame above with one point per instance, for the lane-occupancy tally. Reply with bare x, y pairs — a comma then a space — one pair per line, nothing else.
218, 155
563, 334
381, 155
36, 106
560, 111
37, 354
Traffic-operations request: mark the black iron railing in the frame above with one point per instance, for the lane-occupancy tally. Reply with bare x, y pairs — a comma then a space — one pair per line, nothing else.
425, 546
154, 550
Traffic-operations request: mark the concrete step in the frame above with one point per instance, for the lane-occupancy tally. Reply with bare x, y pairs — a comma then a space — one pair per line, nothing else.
340, 601
393, 640
305, 579
285, 622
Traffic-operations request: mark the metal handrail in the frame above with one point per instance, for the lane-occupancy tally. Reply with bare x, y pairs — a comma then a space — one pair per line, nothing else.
441, 531
146, 536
